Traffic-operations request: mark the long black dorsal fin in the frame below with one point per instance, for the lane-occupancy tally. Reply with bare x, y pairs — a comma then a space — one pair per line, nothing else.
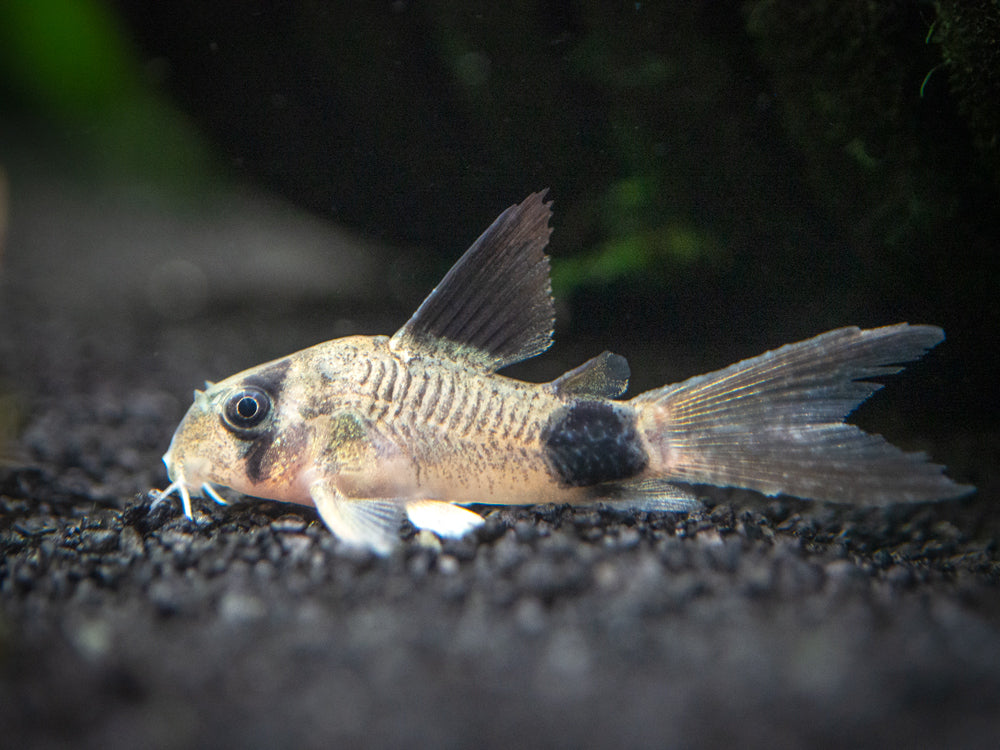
604, 376
494, 307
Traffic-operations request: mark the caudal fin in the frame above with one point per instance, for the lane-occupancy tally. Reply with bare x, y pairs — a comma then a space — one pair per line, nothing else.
774, 423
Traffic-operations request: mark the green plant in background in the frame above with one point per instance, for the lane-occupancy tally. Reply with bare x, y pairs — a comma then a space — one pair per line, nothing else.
68, 56
625, 215
70, 63
852, 78
643, 231
969, 34
637, 243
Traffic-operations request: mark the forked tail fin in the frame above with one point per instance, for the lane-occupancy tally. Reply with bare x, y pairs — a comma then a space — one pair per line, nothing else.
774, 423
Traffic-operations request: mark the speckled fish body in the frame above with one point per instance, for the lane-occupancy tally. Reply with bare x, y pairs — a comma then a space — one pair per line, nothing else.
371, 428
378, 425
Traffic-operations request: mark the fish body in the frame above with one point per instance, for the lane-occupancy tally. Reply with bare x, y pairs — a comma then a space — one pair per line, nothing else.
383, 425
371, 428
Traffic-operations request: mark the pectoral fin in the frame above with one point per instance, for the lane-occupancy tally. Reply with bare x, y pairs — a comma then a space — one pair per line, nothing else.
371, 523
444, 519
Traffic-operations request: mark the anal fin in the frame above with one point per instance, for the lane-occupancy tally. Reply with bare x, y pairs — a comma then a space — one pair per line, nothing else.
651, 495
444, 519
371, 523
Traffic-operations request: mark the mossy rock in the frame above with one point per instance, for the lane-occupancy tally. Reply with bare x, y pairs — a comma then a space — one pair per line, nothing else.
969, 34
880, 135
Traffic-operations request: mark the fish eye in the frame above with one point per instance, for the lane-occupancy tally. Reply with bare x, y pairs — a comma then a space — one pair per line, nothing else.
246, 408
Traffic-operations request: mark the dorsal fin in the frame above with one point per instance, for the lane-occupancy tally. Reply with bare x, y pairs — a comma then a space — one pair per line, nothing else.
494, 307
604, 376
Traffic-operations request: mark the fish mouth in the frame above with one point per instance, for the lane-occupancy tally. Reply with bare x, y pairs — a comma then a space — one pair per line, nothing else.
185, 492
183, 488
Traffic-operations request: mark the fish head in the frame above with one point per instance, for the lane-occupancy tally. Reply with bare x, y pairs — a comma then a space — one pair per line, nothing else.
245, 433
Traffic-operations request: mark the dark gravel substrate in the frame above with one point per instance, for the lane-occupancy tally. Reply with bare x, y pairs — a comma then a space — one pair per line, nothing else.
252, 628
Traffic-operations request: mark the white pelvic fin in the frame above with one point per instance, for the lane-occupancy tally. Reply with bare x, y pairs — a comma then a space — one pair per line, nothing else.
444, 519
371, 523
652, 495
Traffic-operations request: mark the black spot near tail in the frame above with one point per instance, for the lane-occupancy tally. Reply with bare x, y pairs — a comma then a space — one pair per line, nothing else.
590, 442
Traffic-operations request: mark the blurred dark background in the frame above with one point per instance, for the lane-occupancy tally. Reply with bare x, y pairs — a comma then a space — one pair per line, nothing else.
727, 176
191, 188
